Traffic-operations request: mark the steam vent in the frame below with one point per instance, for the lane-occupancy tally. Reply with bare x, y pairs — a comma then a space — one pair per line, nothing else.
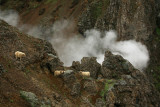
79, 53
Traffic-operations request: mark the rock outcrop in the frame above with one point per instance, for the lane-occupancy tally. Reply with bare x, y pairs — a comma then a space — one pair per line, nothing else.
90, 64
130, 87
114, 66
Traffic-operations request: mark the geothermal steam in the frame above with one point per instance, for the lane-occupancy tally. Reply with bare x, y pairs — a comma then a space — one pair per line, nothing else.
10, 16
95, 44
72, 47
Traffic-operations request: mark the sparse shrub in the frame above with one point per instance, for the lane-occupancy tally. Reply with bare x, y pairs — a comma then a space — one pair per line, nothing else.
108, 86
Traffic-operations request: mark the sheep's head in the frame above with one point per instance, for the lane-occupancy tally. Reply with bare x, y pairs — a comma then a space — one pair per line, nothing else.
80, 72
61, 72
24, 55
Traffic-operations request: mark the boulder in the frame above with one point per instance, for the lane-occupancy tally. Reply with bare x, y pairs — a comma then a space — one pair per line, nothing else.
114, 65
76, 65
51, 62
31, 98
90, 64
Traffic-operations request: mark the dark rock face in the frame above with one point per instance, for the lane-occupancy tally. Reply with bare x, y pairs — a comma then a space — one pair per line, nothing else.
114, 66
138, 19
89, 17
131, 19
131, 87
51, 62
90, 64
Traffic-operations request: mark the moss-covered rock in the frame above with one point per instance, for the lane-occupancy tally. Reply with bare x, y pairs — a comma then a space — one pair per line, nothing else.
30, 97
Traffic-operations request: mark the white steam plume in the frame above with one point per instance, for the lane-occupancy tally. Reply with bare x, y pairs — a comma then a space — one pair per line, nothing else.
72, 47
10, 16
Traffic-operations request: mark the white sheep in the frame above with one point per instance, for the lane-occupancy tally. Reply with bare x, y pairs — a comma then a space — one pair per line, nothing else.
58, 72
85, 74
19, 54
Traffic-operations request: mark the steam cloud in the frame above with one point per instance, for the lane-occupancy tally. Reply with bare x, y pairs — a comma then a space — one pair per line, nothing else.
10, 16
73, 47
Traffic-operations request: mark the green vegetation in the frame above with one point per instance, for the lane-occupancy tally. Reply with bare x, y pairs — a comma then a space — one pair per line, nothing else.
51, 1
108, 86
10, 100
96, 10
158, 31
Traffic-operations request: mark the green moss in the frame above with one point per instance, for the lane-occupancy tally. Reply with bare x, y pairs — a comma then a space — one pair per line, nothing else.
108, 86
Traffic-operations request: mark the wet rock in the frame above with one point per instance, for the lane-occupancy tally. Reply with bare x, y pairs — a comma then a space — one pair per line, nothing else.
90, 64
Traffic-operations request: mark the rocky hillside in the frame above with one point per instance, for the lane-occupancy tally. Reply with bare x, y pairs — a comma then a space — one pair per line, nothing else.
115, 83
31, 82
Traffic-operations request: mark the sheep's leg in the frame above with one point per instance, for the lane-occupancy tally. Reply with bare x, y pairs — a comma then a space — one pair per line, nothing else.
16, 56
20, 58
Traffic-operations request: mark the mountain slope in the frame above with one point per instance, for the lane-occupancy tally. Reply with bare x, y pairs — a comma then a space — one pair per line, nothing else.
31, 82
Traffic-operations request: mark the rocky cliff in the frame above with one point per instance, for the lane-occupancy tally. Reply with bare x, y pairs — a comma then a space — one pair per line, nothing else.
115, 83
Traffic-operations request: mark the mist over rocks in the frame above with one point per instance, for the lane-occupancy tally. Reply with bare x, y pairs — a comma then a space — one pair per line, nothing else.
73, 47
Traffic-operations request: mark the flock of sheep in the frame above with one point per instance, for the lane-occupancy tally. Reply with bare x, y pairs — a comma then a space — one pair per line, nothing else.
19, 54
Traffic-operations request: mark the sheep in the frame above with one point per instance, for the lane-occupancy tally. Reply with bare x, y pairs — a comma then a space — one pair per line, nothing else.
85, 74
58, 72
19, 54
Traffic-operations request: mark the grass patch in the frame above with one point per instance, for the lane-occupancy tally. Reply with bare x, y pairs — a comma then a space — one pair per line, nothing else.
108, 86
